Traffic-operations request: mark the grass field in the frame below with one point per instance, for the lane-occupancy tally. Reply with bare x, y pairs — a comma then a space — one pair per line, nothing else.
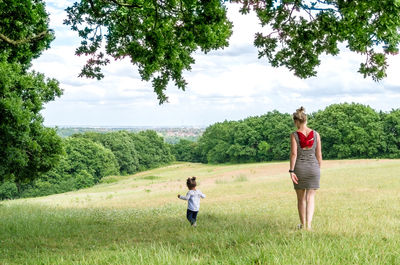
248, 217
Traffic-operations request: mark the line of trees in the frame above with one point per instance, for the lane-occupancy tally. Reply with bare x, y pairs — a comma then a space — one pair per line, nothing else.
347, 131
90, 157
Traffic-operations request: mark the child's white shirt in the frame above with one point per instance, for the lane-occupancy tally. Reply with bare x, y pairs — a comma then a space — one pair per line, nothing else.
193, 198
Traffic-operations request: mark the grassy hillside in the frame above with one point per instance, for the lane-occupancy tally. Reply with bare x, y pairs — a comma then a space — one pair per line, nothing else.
248, 217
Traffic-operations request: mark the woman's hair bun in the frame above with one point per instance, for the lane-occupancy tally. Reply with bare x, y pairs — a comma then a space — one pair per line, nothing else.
300, 115
301, 109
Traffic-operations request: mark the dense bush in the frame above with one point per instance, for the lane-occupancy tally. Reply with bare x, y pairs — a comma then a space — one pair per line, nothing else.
186, 150
134, 151
86, 155
262, 138
214, 143
123, 147
8, 190
274, 129
84, 165
350, 131
151, 149
391, 129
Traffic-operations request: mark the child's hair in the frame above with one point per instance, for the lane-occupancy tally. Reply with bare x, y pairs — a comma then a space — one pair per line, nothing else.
191, 182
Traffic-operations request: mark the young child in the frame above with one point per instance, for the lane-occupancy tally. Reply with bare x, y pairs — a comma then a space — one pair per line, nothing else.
193, 197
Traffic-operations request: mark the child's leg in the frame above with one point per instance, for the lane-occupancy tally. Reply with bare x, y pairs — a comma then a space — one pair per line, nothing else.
194, 216
189, 216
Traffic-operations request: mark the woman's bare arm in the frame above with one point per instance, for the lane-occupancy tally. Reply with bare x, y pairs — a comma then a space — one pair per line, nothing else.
293, 152
293, 156
318, 152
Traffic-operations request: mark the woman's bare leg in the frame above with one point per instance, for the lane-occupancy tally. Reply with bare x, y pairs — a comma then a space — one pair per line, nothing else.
302, 206
310, 195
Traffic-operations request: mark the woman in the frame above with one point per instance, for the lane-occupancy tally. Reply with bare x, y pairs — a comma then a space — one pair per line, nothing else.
305, 164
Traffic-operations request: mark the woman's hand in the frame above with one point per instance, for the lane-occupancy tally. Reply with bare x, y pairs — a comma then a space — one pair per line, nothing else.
294, 178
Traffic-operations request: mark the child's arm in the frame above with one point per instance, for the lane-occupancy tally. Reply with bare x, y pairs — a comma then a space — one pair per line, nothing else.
202, 195
187, 197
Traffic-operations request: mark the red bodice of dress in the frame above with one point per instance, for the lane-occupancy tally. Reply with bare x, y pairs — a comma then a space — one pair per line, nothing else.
306, 141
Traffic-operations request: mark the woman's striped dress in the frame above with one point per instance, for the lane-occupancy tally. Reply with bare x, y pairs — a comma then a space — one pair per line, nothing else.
307, 166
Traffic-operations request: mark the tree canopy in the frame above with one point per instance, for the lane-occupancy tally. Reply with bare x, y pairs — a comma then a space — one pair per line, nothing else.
24, 30
350, 131
28, 149
303, 30
157, 36
262, 138
160, 37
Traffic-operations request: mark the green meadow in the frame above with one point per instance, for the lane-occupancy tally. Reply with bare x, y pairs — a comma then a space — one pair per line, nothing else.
248, 217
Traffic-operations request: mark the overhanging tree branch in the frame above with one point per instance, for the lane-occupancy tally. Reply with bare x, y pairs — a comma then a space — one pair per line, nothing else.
39, 36
125, 4
313, 8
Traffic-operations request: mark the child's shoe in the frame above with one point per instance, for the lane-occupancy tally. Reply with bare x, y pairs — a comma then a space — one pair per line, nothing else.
194, 224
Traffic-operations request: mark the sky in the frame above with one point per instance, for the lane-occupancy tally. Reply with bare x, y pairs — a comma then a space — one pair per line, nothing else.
228, 84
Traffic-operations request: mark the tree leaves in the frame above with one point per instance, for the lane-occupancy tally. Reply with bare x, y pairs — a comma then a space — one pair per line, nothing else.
301, 31
159, 37
28, 149
24, 31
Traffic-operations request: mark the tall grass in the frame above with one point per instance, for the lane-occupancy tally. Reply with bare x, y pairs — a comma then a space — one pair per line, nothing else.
251, 221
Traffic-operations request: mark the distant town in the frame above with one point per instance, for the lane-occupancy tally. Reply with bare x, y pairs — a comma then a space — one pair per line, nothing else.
171, 135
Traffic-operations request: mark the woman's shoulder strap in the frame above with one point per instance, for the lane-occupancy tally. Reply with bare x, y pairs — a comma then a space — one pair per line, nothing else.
296, 136
316, 135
